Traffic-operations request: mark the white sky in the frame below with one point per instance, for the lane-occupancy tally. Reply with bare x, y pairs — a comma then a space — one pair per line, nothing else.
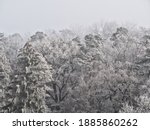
33, 15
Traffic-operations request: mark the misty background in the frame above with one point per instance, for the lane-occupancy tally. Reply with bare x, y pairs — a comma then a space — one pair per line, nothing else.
22, 16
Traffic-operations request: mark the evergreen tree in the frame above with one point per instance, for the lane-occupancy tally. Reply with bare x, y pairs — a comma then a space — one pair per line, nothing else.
5, 71
33, 74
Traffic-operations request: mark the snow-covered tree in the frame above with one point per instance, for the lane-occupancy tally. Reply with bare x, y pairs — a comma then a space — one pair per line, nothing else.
33, 75
5, 72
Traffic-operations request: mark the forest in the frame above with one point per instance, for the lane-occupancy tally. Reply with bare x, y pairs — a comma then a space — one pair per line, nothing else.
100, 69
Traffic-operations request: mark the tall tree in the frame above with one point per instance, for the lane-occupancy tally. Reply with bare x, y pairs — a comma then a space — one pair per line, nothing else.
32, 76
5, 71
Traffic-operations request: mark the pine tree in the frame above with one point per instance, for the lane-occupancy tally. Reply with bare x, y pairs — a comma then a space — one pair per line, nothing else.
32, 76
5, 71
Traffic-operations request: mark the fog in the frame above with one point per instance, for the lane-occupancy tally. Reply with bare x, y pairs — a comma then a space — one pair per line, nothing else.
31, 15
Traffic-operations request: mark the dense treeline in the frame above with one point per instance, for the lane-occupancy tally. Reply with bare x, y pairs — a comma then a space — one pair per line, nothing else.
104, 69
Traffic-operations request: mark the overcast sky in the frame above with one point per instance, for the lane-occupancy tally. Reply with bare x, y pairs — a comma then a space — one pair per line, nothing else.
32, 15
